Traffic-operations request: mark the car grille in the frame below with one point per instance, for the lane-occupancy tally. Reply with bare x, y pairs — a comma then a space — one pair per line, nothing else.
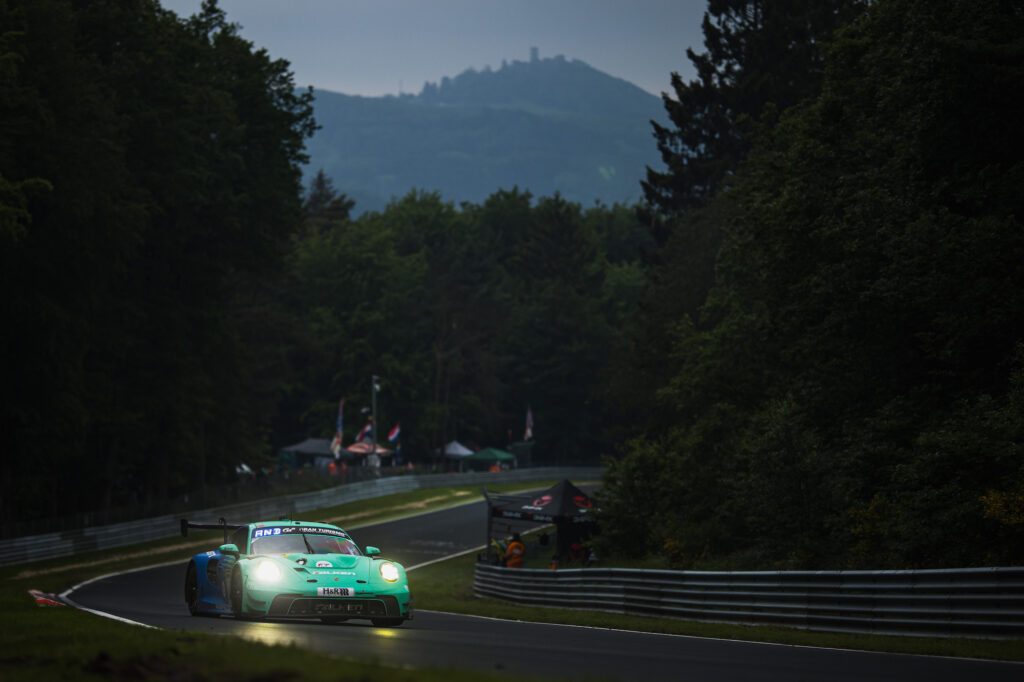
294, 605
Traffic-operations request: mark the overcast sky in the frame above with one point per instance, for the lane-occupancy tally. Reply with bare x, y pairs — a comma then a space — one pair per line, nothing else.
378, 47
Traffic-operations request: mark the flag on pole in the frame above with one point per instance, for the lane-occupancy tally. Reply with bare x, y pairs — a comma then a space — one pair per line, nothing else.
528, 434
393, 433
364, 433
336, 443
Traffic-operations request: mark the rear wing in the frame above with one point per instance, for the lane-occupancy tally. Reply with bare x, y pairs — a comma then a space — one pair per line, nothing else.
220, 525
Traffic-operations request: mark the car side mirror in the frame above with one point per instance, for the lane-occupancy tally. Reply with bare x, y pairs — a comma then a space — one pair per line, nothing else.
230, 549
372, 551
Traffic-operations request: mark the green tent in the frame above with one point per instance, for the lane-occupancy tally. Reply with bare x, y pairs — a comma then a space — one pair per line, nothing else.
490, 455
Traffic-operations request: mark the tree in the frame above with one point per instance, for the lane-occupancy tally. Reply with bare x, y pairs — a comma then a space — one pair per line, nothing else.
761, 58
323, 204
558, 329
758, 52
173, 151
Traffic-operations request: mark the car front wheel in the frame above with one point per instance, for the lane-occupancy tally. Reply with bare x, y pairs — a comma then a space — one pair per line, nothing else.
238, 596
192, 589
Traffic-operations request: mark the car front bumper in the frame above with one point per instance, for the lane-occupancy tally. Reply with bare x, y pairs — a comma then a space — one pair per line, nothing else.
275, 603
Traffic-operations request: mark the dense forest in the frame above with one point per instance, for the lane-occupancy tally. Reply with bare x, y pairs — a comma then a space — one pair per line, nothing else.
832, 344
469, 316
802, 350
149, 179
177, 302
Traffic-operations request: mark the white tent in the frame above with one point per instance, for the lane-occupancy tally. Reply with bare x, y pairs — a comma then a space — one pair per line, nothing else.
456, 449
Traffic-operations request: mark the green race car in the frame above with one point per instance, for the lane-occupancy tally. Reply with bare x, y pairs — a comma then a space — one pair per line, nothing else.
295, 569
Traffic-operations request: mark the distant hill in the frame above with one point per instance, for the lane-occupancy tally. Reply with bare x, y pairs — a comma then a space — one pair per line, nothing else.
545, 125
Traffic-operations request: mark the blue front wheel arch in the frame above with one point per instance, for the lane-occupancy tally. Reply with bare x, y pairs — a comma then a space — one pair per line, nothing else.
238, 595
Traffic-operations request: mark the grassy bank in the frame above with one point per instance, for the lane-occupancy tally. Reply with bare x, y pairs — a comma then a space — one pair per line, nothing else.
65, 644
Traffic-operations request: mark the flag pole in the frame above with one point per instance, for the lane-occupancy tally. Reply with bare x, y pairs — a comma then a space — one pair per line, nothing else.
373, 426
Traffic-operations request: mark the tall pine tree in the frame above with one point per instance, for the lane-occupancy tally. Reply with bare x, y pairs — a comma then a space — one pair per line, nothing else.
757, 52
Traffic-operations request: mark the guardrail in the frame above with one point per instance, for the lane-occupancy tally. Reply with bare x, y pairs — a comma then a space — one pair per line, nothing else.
970, 602
52, 545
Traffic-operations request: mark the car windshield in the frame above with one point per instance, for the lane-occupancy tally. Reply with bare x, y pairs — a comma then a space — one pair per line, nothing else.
304, 543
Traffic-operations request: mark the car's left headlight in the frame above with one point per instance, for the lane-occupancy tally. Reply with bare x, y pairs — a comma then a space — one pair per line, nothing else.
389, 572
268, 572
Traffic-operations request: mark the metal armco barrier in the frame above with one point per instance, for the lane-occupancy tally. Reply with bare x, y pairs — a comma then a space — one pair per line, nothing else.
52, 545
969, 602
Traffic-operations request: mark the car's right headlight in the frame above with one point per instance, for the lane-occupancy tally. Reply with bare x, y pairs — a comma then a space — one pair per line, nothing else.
267, 572
389, 571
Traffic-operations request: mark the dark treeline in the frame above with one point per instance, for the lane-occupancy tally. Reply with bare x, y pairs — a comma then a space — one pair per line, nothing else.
830, 356
468, 315
149, 175
175, 305
803, 350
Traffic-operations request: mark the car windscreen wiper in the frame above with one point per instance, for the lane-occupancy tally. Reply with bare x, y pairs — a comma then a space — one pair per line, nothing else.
308, 546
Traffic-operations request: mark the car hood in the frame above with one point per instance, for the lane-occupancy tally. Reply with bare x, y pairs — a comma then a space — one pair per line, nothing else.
332, 564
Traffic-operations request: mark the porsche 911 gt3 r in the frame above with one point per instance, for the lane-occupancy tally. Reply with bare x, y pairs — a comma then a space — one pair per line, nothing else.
295, 569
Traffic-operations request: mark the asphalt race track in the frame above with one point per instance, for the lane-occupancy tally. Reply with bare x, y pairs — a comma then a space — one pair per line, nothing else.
154, 597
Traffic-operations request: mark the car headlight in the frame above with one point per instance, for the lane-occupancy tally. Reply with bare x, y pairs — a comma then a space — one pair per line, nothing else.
268, 572
389, 572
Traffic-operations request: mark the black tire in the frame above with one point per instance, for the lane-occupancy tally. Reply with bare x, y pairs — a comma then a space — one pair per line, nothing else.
238, 596
331, 620
192, 589
386, 622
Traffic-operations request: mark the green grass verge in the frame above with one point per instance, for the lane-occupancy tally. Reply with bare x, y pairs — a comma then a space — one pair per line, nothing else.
65, 644
62, 644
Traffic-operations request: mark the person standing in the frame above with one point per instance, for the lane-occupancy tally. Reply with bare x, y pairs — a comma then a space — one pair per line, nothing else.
515, 553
